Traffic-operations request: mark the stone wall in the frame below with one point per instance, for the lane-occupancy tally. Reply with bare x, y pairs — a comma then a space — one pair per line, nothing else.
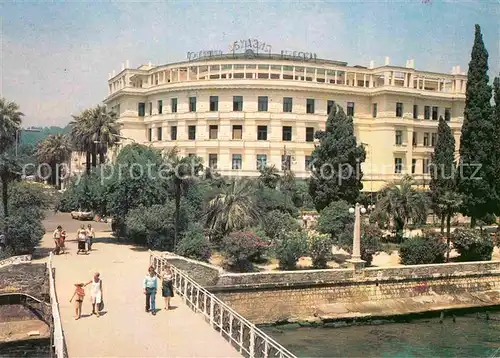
203, 273
14, 260
25, 278
36, 348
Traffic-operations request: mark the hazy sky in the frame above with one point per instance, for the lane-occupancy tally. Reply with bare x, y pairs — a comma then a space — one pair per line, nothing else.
56, 56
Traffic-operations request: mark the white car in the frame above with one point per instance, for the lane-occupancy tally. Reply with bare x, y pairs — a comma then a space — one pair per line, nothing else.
82, 215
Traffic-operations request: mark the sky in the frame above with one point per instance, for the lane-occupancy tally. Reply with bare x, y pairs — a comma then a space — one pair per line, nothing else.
56, 56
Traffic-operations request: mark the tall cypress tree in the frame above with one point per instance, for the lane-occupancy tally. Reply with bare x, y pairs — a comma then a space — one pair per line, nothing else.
478, 140
336, 161
496, 125
442, 168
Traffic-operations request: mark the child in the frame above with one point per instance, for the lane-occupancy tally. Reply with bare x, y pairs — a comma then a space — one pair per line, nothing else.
80, 294
63, 238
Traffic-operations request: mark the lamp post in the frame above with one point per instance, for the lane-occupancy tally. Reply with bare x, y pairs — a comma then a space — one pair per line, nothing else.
356, 261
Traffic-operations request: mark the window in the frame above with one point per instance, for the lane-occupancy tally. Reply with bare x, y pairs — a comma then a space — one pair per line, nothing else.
192, 104
173, 133
414, 139
435, 113
237, 103
212, 161
310, 105
236, 162
160, 106
212, 132
426, 139
415, 111
237, 132
173, 104
425, 167
399, 109
141, 109
150, 134
374, 110
433, 139
191, 132
262, 103
329, 106
309, 134
413, 165
447, 114
150, 108
287, 104
308, 163
159, 133
399, 137
350, 108
261, 132
214, 103
286, 162
398, 165
427, 112
287, 133
261, 161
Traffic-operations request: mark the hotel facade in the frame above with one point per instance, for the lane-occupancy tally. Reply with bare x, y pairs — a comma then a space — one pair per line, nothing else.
239, 112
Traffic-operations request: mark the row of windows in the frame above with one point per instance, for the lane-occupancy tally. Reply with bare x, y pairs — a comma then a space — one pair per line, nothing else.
261, 161
398, 165
432, 136
427, 112
237, 133
262, 105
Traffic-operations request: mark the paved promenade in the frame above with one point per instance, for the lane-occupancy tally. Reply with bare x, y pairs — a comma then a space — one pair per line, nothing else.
125, 329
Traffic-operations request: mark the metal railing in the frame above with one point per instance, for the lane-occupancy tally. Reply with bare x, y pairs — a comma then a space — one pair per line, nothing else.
243, 335
58, 333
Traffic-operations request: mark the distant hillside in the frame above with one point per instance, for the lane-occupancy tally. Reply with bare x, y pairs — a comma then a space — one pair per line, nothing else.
33, 138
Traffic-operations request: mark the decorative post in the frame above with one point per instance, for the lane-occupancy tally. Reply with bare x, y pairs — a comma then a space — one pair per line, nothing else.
355, 262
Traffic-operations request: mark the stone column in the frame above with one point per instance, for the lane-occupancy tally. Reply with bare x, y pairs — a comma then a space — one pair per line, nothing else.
355, 262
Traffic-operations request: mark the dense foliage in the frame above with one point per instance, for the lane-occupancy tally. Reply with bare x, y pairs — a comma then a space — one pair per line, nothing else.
195, 245
289, 248
241, 247
472, 244
422, 250
320, 248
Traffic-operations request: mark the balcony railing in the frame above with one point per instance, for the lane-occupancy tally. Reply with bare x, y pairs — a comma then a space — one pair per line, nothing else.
249, 340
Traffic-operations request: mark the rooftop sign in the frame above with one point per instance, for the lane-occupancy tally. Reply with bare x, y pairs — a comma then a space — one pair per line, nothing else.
250, 44
204, 53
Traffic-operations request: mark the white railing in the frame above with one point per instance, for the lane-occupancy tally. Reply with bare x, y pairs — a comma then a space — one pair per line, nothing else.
58, 334
243, 335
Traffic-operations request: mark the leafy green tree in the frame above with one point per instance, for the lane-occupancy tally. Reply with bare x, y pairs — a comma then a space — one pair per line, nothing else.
320, 247
269, 177
194, 244
336, 221
54, 150
336, 172
478, 141
268, 200
402, 202
496, 126
10, 123
422, 250
442, 168
448, 205
276, 222
9, 171
472, 245
231, 208
289, 248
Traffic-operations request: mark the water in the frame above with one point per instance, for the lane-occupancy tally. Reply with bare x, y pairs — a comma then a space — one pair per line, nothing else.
468, 337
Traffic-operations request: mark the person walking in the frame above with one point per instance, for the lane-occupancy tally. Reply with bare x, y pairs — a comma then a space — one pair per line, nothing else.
57, 240
90, 236
167, 287
80, 295
96, 293
150, 285
81, 236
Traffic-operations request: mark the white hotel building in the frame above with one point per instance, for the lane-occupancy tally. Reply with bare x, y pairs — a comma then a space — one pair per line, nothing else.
241, 111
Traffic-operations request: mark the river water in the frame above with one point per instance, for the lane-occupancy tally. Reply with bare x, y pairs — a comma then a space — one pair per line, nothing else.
469, 336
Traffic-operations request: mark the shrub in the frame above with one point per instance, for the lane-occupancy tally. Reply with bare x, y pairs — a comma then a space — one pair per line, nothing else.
24, 231
336, 221
472, 245
370, 242
195, 245
320, 248
241, 248
277, 222
422, 250
289, 247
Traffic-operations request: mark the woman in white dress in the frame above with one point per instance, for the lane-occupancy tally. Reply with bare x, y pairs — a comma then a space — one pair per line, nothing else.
96, 293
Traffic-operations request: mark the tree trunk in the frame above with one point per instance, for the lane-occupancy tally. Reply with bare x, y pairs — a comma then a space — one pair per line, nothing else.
53, 175
448, 237
88, 163
177, 210
94, 155
101, 157
442, 223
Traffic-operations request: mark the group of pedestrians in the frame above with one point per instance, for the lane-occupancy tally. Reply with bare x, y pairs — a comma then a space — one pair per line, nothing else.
96, 296
84, 236
150, 286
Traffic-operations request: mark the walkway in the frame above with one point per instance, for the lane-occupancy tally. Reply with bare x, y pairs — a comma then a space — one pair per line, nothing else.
125, 329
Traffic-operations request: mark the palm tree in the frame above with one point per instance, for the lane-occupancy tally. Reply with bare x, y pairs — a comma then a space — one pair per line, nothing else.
93, 132
9, 171
449, 203
54, 150
181, 171
269, 176
402, 202
232, 208
10, 122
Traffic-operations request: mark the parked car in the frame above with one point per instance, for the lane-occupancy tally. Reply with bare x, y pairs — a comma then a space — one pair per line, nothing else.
82, 215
